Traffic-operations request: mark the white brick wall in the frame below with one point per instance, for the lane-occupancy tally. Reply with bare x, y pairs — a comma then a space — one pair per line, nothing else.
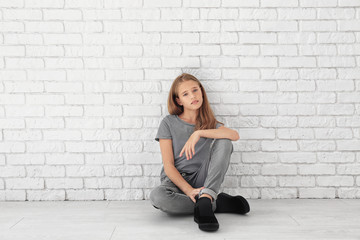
84, 85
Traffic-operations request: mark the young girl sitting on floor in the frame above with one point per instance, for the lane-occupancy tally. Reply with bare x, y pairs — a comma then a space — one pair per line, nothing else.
196, 152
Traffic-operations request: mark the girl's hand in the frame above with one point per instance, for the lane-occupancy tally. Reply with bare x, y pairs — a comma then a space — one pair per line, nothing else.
193, 192
189, 147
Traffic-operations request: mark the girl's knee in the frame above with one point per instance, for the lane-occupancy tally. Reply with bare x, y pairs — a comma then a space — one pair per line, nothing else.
224, 144
157, 196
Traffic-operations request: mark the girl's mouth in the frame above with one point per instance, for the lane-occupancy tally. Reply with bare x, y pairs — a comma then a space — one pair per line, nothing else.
194, 102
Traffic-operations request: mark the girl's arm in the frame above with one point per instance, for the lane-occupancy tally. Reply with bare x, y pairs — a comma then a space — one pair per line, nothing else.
221, 132
172, 172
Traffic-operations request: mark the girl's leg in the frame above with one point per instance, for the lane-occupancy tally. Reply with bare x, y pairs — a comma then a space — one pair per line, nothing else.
170, 199
212, 173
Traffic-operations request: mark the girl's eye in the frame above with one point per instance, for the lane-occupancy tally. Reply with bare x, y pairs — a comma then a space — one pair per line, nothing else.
195, 90
185, 94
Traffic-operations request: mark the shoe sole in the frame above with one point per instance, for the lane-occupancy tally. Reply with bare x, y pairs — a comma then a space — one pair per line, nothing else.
242, 200
208, 227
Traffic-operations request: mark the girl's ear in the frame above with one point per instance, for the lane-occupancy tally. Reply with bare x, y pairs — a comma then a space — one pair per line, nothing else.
178, 101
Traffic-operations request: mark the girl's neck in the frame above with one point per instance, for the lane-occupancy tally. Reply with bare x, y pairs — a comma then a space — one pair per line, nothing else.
189, 117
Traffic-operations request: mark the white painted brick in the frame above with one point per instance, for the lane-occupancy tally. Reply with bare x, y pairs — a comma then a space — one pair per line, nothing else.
13, 195
316, 121
12, 147
338, 109
258, 109
8, 26
124, 122
348, 193
44, 147
278, 193
297, 38
317, 169
61, 135
44, 27
25, 135
278, 121
12, 3
101, 14
296, 85
46, 195
63, 63
200, 26
240, 50
24, 183
44, 123
141, 38
297, 109
336, 157
64, 38
335, 181
103, 183
348, 169
13, 87
63, 111
257, 13
317, 145
85, 27
141, 182
258, 181
201, 3
297, 181
297, 157
316, 193
178, 13
348, 145
260, 37
12, 51
239, 98
64, 183
141, 110
25, 159
244, 3
242, 169
278, 169
333, 133
259, 157
124, 194
81, 195
64, 159
44, 4
84, 123
56, 75
297, 133
246, 74
317, 97
278, 97
24, 63
46, 51
258, 62
279, 3
336, 61
79, 147
296, 13
84, 171
219, 13
142, 158
12, 123
62, 14
12, 171
336, 13
348, 121
45, 171
319, 3
279, 145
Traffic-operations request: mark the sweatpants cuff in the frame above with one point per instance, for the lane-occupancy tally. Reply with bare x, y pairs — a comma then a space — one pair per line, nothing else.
208, 191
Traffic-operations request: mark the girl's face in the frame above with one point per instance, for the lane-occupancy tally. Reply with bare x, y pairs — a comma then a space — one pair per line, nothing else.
190, 95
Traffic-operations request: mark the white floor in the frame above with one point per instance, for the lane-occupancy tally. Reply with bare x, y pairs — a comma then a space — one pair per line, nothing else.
115, 220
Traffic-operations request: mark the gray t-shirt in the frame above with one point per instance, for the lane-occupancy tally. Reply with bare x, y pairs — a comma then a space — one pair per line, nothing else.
173, 127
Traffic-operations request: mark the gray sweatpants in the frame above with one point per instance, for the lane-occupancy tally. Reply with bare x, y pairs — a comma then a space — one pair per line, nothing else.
169, 198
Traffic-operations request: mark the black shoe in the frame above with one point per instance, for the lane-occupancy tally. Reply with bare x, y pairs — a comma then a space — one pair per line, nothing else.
204, 215
231, 204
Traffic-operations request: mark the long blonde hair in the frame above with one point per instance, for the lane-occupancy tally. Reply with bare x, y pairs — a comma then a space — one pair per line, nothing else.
205, 118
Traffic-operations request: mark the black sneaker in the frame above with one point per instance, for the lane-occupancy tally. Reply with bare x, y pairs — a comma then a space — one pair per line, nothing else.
204, 215
231, 204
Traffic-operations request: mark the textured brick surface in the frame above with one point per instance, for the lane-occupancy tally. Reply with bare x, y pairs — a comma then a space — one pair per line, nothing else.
84, 84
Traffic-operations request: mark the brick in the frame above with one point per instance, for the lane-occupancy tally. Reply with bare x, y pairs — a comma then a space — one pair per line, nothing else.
297, 181
81, 195
335, 181
46, 195
317, 193
278, 193
124, 194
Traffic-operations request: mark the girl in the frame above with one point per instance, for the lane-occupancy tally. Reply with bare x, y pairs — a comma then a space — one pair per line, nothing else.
196, 152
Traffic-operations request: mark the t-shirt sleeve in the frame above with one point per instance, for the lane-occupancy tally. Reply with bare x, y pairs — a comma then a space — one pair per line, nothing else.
218, 125
163, 131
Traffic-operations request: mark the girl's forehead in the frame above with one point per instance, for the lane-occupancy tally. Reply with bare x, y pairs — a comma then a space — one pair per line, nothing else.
187, 85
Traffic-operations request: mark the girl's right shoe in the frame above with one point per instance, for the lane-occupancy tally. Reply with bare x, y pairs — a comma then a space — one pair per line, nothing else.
231, 204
